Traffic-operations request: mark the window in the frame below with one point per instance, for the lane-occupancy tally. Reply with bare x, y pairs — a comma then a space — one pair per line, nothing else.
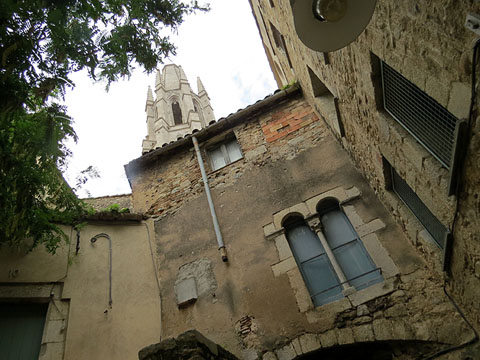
21, 329
332, 261
326, 103
224, 154
419, 209
425, 119
322, 282
280, 43
198, 109
177, 113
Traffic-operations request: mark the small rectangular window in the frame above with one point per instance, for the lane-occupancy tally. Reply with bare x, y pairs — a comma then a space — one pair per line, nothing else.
419, 209
225, 153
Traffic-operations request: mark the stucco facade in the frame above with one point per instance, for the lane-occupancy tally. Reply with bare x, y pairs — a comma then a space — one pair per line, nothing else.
74, 285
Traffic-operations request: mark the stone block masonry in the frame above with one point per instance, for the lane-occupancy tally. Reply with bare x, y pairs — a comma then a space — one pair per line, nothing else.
429, 46
283, 132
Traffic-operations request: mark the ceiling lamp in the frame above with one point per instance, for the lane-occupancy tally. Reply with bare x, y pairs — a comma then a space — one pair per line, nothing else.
329, 25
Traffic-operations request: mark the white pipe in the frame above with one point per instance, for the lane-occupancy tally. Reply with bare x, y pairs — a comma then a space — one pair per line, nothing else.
216, 226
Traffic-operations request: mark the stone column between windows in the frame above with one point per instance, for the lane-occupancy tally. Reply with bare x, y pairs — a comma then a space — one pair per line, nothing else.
316, 225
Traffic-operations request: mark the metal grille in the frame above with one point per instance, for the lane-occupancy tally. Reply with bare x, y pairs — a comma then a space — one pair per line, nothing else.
428, 121
421, 212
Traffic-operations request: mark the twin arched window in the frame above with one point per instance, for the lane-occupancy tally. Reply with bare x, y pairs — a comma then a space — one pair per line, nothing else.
332, 259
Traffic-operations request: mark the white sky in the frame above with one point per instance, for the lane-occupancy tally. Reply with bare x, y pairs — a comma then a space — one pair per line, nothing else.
222, 46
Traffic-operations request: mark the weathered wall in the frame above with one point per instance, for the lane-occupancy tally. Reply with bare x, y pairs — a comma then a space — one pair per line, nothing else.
80, 323
429, 45
103, 202
255, 302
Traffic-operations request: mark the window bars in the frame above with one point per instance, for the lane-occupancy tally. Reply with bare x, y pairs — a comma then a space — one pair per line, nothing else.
423, 117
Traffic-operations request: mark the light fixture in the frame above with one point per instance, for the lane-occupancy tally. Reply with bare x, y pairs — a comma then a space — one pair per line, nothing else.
328, 25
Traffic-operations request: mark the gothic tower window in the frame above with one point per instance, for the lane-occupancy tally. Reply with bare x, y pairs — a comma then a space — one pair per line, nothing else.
177, 113
198, 110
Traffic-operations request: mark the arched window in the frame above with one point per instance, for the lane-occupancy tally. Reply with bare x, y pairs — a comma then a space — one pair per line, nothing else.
331, 258
346, 246
198, 110
177, 113
320, 277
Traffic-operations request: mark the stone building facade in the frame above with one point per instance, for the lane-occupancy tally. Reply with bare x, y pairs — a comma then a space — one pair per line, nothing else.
260, 303
410, 56
286, 175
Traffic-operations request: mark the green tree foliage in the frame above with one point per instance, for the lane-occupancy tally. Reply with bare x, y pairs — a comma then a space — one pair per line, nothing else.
42, 42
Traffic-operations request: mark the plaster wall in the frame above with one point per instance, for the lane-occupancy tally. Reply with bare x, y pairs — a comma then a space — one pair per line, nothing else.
80, 323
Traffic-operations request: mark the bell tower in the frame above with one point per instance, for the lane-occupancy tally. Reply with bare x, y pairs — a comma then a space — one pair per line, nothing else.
175, 110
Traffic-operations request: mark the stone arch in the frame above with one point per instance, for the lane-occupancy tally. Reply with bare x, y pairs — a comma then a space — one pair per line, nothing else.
199, 110
293, 216
327, 203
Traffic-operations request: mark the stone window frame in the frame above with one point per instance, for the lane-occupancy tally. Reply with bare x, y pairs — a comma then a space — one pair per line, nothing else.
56, 321
367, 231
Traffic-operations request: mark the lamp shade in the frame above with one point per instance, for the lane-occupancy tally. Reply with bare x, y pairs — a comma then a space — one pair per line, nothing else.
326, 36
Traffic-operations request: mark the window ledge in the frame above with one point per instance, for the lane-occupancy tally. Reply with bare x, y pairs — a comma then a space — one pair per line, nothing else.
223, 167
372, 292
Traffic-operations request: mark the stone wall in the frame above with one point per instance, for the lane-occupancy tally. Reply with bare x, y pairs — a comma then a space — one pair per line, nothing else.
103, 202
166, 184
429, 45
256, 305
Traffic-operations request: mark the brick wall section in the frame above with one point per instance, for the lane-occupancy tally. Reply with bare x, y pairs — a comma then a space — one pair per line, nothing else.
283, 123
161, 188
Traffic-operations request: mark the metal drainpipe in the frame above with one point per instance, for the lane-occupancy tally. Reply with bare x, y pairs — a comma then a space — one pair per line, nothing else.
216, 226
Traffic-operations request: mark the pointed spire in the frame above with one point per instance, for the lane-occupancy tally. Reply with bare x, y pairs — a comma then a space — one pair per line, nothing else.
158, 79
149, 102
200, 86
182, 74
149, 94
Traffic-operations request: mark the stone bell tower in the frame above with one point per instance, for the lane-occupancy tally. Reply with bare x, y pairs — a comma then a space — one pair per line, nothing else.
176, 110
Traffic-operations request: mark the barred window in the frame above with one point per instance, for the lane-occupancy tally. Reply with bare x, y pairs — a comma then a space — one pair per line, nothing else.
425, 119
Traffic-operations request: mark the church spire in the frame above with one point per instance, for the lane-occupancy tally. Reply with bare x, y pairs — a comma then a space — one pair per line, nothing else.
176, 110
200, 86
158, 79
